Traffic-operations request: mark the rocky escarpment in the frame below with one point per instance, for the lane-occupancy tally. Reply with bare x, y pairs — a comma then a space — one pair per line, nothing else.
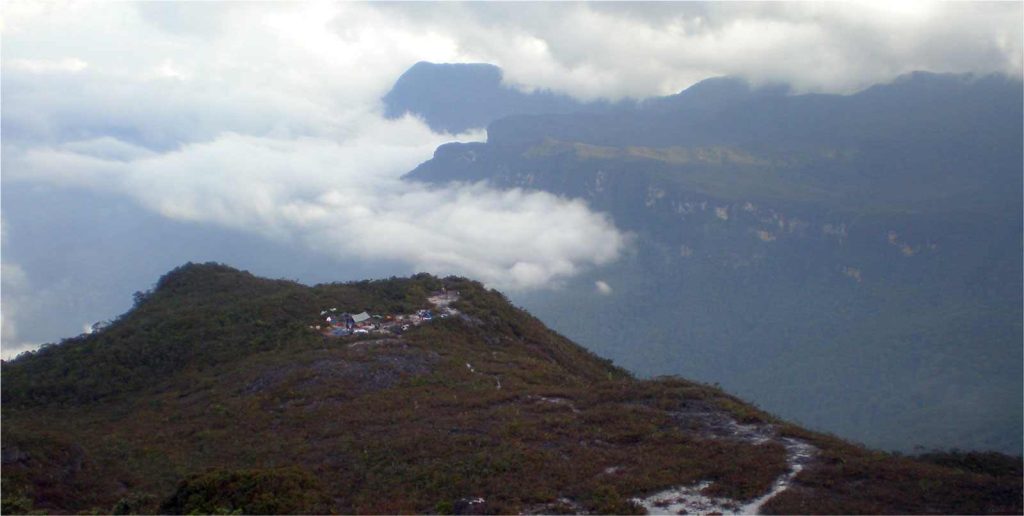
839, 241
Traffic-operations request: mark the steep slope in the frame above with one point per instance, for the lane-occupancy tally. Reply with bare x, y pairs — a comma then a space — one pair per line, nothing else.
866, 248
214, 395
905, 146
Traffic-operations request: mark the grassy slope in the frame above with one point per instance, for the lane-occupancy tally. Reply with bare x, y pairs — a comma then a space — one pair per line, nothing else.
214, 374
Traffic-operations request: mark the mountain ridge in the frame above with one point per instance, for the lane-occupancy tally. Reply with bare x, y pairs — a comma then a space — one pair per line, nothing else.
300, 423
873, 235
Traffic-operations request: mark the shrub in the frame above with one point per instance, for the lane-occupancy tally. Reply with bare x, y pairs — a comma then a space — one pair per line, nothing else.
278, 491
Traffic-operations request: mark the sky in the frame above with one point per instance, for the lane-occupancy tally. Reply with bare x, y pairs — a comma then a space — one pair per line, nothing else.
140, 135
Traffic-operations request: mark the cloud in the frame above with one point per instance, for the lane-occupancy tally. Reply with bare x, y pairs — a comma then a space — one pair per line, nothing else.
346, 199
278, 70
612, 50
165, 73
264, 118
67, 65
12, 278
603, 288
14, 287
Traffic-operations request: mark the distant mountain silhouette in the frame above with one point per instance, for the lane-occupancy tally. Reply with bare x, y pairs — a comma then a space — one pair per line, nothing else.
457, 97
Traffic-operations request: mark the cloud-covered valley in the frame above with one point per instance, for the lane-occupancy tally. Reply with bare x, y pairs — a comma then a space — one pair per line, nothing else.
346, 199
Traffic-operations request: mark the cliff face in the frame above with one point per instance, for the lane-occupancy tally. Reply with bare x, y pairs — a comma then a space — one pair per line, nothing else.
217, 393
864, 247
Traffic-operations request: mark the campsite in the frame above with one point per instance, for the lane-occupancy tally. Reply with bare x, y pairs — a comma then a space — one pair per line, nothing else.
334, 323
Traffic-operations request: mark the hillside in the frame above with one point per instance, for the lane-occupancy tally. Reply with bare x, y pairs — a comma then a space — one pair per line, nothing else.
214, 394
865, 247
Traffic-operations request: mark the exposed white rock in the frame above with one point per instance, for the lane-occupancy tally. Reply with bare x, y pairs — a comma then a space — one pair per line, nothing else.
853, 272
653, 195
691, 499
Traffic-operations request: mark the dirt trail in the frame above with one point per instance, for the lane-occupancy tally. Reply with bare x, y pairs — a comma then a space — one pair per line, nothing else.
691, 500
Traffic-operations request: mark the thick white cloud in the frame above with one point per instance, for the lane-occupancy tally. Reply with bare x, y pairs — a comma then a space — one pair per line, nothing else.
166, 74
632, 49
346, 199
265, 119
181, 71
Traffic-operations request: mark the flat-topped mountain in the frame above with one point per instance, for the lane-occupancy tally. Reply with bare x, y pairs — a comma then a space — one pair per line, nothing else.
221, 392
865, 248
456, 97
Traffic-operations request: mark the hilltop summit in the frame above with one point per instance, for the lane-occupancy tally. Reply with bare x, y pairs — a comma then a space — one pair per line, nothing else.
213, 394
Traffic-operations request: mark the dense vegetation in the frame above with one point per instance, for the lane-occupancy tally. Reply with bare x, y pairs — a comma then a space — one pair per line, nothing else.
197, 316
280, 491
260, 414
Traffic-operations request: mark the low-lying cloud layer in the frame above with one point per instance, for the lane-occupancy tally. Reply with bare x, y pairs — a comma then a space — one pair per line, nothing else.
345, 199
265, 119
